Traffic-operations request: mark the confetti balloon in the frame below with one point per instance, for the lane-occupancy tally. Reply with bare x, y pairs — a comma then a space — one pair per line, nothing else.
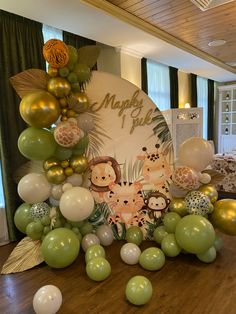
186, 178
198, 203
47, 299
67, 133
40, 210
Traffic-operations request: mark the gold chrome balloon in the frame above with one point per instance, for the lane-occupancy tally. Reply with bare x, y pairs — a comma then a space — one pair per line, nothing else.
210, 191
81, 104
39, 109
224, 216
178, 205
63, 102
64, 163
59, 87
56, 175
68, 171
79, 163
50, 163
52, 71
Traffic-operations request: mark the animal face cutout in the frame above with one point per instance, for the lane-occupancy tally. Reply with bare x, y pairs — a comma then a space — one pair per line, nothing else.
156, 204
104, 171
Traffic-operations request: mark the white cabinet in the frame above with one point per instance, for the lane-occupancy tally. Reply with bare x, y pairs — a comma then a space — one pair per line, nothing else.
183, 124
227, 119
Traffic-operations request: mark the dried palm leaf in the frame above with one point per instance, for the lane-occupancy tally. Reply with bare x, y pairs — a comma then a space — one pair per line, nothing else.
29, 81
88, 55
28, 167
25, 255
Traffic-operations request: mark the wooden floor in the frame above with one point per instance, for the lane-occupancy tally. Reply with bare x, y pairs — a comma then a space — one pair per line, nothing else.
184, 285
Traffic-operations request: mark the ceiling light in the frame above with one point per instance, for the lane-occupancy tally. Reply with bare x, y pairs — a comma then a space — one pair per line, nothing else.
209, 4
216, 43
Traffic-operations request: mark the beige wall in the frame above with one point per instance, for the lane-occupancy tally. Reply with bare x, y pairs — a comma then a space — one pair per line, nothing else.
131, 68
109, 60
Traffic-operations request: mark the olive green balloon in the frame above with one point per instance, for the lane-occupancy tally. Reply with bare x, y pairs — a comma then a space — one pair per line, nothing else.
86, 228
93, 251
34, 231
36, 144
82, 71
209, 256
60, 247
134, 235
138, 290
170, 246
159, 234
170, 221
195, 234
98, 269
152, 259
79, 149
218, 243
62, 153
23, 217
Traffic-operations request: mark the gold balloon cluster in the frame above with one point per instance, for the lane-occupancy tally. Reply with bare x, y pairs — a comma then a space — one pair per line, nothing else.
57, 171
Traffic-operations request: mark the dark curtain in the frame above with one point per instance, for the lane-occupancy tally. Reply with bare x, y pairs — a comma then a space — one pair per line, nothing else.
210, 125
193, 86
21, 43
144, 80
174, 88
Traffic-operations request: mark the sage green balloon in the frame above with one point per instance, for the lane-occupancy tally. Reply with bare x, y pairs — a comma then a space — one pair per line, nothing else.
79, 149
94, 251
134, 235
195, 234
159, 234
62, 153
209, 256
218, 243
60, 247
170, 221
98, 269
23, 217
36, 144
138, 290
152, 259
170, 246
86, 228
33, 230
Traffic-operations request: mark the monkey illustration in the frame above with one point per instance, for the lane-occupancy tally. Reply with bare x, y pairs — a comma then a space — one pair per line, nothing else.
156, 203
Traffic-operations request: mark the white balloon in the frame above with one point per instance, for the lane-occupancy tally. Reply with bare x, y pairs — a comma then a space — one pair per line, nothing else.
196, 153
85, 122
57, 191
75, 179
130, 253
66, 187
76, 204
175, 191
47, 300
105, 235
205, 178
34, 188
89, 240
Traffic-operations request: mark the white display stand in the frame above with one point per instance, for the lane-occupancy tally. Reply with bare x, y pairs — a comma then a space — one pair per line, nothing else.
227, 119
183, 124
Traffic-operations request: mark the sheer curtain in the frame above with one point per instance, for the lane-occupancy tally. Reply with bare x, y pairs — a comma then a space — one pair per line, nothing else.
4, 238
50, 32
158, 84
202, 101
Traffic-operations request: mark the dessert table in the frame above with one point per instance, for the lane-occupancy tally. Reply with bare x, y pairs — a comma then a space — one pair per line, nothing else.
183, 286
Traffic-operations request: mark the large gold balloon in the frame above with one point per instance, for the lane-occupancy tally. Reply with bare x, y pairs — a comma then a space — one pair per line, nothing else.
50, 162
81, 102
59, 87
178, 205
56, 175
40, 109
79, 163
224, 216
210, 191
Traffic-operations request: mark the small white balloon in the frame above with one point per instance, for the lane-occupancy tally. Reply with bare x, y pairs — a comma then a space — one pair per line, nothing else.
89, 240
76, 204
75, 179
66, 187
57, 191
47, 300
130, 253
34, 188
205, 178
105, 235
